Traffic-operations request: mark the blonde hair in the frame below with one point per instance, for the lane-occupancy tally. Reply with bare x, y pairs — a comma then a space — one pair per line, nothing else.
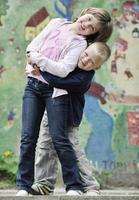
104, 23
102, 50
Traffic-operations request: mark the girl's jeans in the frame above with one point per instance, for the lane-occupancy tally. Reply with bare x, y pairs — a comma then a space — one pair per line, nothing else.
37, 97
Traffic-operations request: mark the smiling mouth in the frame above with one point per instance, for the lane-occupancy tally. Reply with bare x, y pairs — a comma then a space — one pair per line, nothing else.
83, 63
82, 26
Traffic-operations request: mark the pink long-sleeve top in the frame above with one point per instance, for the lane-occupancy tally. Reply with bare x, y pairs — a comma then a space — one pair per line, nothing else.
56, 50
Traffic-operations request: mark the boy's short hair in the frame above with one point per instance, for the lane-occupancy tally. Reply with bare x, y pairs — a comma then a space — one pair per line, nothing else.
102, 50
94, 56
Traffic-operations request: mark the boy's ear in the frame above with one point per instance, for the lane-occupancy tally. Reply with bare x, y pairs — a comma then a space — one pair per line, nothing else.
98, 67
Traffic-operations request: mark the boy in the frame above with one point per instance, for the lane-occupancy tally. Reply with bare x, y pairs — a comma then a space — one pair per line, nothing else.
77, 84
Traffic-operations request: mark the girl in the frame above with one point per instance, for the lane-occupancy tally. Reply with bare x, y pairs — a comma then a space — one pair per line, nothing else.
55, 50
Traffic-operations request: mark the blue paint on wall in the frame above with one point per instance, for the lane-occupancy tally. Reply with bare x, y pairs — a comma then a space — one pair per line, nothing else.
98, 147
67, 4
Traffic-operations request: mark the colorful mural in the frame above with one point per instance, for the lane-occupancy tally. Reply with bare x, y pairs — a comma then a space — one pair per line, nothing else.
109, 131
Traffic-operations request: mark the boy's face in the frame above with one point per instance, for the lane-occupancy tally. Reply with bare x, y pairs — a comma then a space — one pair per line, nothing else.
89, 59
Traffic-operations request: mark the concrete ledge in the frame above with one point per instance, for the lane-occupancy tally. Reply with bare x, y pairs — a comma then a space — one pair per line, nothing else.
60, 195
122, 197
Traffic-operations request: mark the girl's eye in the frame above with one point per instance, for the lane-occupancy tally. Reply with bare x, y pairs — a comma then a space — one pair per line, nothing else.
86, 54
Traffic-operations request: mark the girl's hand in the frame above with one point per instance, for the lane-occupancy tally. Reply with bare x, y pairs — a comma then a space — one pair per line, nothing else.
28, 57
32, 57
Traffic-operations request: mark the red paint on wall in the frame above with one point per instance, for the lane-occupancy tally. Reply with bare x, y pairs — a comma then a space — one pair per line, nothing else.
133, 127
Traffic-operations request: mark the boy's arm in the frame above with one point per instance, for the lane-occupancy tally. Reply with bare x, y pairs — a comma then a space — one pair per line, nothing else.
77, 81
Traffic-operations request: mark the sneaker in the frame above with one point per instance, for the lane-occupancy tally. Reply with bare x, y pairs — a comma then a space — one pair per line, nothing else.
22, 193
39, 189
74, 193
92, 193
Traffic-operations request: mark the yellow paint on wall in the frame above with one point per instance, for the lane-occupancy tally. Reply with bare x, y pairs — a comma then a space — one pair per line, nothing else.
32, 32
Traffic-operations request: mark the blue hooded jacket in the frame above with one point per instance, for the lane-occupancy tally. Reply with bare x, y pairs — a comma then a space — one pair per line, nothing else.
76, 83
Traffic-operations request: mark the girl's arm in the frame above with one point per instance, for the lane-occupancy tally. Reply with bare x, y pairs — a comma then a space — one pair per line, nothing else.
62, 67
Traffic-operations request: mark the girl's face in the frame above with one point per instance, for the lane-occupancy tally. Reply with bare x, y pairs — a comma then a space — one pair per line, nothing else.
87, 25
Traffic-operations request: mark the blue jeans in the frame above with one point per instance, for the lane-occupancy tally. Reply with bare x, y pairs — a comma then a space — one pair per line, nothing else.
46, 174
37, 98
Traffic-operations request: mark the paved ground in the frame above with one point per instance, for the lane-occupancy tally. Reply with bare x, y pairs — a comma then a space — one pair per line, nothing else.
118, 194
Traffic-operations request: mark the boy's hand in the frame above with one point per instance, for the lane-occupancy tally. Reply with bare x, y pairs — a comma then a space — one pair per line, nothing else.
35, 71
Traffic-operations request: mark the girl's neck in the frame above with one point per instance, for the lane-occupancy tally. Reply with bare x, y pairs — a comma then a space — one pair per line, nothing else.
72, 27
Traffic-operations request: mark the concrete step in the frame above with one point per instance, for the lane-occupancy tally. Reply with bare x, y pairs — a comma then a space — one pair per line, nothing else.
133, 197
60, 195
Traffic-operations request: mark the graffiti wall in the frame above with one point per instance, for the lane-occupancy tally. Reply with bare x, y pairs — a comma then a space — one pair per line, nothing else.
109, 132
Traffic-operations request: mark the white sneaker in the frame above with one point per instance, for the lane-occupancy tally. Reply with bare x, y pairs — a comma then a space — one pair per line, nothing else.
92, 193
74, 193
22, 193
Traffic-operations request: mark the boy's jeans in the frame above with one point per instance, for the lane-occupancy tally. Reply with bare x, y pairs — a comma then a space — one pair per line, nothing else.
46, 165
36, 98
